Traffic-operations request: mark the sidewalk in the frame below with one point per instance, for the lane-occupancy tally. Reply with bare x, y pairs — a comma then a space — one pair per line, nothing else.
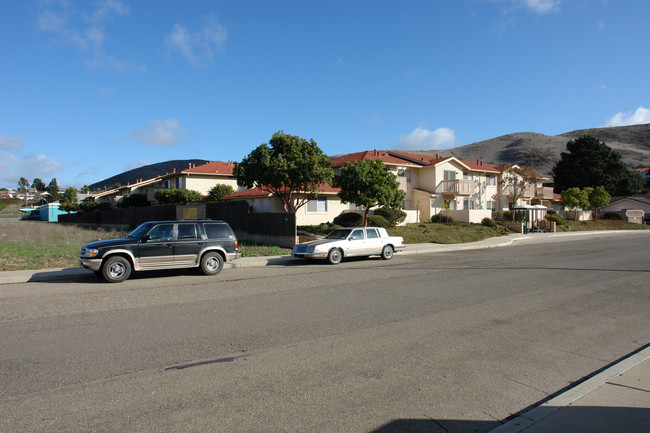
616, 399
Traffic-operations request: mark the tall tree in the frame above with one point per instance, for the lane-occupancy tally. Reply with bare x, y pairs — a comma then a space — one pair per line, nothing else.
589, 162
39, 184
366, 183
23, 184
289, 167
53, 190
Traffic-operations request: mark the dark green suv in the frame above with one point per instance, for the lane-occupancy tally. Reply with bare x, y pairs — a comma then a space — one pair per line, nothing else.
163, 245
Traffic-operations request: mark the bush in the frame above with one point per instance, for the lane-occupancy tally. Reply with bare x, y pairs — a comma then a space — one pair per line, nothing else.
507, 215
488, 222
177, 196
555, 218
133, 200
441, 218
613, 216
497, 216
218, 191
394, 216
378, 221
349, 219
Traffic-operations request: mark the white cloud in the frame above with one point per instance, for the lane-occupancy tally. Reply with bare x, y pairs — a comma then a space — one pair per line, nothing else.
14, 165
542, 6
163, 132
423, 139
10, 143
85, 30
201, 45
640, 116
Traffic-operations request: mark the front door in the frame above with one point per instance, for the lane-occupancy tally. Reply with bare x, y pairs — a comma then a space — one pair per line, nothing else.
158, 250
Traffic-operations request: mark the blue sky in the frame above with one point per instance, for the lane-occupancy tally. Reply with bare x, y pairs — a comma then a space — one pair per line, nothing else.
89, 89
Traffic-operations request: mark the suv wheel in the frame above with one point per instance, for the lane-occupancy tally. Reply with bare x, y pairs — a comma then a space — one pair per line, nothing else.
211, 263
116, 269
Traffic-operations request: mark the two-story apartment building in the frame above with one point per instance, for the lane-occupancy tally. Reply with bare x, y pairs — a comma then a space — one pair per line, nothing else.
468, 190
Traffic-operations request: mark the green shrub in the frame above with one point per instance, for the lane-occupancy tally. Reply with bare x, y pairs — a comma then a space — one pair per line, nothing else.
378, 221
133, 200
507, 215
613, 216
441, 218
488, 222
497, 216
349, 219
393, 215
218, 191
555, 218
177, 196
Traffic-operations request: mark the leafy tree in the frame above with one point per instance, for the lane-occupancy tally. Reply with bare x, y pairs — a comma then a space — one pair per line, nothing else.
597, 198
177, 196
23, 184
289, 167
69, 196
85, 189
575, 198
517, 181
367, 183
53, 190
219, 191
39, 185
590, 162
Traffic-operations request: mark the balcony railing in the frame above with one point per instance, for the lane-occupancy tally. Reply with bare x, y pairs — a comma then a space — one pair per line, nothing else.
458, 187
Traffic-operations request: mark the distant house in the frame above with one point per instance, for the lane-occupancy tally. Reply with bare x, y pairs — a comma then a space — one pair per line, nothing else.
628, 207
199, 178
319, 210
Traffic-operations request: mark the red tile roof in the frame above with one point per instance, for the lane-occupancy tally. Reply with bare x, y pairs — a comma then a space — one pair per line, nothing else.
214, 167
398, 158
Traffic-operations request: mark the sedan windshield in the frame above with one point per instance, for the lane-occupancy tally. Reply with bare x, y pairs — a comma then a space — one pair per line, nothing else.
338, 234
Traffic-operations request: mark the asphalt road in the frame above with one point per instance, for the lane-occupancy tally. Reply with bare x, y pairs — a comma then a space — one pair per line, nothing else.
439, 342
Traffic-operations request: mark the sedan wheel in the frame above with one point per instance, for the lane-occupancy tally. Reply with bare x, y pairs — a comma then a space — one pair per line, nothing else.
387, 252
335, 256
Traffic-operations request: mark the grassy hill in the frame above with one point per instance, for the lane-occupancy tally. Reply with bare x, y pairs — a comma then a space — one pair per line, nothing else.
146, 172
543, 151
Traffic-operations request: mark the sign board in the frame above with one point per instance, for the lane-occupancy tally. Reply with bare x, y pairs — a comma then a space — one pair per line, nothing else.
190, 213
634, 213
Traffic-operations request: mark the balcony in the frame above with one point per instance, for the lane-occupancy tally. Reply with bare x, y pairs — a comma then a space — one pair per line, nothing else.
545, 193
458, 187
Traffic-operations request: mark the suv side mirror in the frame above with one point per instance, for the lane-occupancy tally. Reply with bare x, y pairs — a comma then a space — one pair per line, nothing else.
146, 238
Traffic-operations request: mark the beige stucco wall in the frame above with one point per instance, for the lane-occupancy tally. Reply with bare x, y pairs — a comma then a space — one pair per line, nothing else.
204, 184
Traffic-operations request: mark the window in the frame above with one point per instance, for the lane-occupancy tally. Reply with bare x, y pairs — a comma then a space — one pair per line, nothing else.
372, 233
319, 204
491, 180
217, 231
186, 231
357, 235
466, 204
161, 233
468, 176
450, 175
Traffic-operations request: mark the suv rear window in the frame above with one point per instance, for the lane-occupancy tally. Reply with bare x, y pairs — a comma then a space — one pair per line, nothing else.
217, 231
